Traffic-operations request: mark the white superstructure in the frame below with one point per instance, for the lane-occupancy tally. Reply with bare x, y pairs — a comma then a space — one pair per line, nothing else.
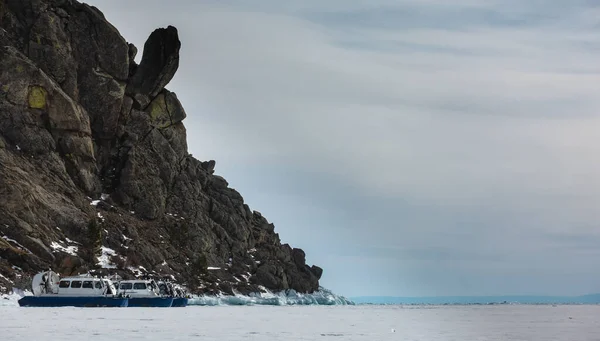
139, 288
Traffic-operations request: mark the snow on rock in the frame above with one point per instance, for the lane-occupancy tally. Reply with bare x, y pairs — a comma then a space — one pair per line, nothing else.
103, 197
16, 244
246, 276
108, 251
136, 272
6, 278
71, 241
104, 259
72, 250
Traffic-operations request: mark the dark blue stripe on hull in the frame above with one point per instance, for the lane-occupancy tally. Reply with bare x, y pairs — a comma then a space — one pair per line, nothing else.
180, 302
75, 301
163, 302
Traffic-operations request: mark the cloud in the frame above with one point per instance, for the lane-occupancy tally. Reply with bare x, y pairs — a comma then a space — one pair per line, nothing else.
405, 132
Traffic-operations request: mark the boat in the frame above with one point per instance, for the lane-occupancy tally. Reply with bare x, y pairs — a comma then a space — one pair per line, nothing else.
49, 290
179, 294
144, 293
179, 302
181, 297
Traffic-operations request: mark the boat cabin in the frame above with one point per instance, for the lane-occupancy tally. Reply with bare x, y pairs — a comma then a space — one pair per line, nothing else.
139, 288
84, 286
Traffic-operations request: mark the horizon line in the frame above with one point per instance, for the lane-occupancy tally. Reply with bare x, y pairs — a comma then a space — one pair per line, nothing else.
475, 296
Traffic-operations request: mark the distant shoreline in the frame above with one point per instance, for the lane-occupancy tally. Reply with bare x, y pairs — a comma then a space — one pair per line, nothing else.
477, 300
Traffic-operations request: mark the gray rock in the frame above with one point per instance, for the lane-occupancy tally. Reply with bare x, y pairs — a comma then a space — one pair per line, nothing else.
159, 63
79, 118
165, 110
209, 166
317, 271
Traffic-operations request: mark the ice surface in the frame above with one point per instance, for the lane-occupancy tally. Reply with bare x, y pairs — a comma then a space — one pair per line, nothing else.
8, 300
347, 323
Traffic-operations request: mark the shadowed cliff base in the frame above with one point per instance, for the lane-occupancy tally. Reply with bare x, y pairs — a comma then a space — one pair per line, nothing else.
95, 174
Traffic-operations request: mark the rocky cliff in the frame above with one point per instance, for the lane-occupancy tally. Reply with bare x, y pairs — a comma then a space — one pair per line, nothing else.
94, 169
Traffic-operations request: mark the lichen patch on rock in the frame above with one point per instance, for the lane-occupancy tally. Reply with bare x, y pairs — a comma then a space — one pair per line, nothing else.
37, 97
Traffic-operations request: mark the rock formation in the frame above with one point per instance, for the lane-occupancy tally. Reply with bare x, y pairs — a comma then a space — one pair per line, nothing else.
94, 169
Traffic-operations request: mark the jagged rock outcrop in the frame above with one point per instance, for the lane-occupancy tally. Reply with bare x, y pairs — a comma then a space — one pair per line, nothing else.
158, 66
92, 146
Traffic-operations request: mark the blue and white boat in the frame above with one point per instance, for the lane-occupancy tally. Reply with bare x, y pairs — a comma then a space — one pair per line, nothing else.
181, 297
144, 293
49, 290
179, 294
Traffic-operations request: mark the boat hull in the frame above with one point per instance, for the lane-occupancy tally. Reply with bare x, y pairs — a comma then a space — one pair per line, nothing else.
159, 302
73, 301
180, 302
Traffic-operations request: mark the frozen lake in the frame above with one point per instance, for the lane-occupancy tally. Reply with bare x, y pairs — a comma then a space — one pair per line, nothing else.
372, 323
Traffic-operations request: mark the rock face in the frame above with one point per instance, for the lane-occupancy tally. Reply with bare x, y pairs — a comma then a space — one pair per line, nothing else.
93, 152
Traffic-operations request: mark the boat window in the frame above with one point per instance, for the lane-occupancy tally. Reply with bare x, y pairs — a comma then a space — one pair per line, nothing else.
139, 286
64, 284
126, 286
76, 284
98, 285
87, 285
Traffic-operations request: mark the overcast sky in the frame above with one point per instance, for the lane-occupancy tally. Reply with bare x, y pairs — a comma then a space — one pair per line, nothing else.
410, 147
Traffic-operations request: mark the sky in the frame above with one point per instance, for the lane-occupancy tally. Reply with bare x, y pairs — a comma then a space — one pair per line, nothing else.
409, 147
